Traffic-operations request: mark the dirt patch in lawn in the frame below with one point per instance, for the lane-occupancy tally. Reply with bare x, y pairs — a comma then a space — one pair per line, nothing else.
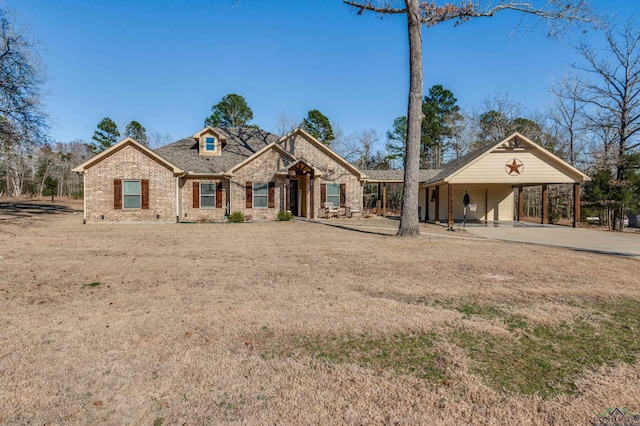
298, 323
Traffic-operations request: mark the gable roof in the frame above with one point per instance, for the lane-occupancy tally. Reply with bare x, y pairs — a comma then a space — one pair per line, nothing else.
241, 143
120, 145
456, 166
325, 149
209, 129
271, 146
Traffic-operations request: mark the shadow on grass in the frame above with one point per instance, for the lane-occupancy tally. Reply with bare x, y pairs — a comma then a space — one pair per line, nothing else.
10, 211
345, 227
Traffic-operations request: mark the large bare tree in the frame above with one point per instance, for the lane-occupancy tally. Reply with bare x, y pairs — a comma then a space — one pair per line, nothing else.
20, 80
568, 115
430, 13
613, 93
22, 121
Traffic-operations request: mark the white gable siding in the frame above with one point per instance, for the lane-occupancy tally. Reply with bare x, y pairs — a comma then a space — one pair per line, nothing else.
500, 202
491, 169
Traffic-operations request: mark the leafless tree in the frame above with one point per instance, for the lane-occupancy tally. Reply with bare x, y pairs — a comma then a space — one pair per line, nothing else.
429, 13
462, 137
286, 123
567, 115
613, 97
615, 90
158, 139
20, 83
359, 148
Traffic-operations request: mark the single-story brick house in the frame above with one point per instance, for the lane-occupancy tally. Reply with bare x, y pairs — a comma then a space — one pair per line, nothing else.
215, 172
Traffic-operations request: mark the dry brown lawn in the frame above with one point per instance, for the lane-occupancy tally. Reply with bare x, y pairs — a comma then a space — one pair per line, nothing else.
221, 323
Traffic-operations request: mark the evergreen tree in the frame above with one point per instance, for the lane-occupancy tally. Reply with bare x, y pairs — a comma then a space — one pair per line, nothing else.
231, 111
136, 131
441, 113
396, 139
105, 136
319, 126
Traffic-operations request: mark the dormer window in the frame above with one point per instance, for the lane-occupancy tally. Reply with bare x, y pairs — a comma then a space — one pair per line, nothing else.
210, 144
210, 141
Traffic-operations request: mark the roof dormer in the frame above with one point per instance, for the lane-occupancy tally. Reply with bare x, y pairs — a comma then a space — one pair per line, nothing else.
210, 142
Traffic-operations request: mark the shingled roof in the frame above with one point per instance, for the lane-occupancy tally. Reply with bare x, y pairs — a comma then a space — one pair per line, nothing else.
397, 176
241, 143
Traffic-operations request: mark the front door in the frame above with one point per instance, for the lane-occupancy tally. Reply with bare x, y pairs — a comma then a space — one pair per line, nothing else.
293, 197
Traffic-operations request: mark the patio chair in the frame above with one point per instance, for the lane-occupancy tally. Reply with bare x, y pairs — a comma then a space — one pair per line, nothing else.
354, 211
330, 209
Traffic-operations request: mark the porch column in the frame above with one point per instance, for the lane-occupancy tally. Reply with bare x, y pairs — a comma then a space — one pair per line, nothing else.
576, 204
520, 203
287, 201
312, 196
384, 200
379, 198
436, 215
450, 206
545, 205
306, 197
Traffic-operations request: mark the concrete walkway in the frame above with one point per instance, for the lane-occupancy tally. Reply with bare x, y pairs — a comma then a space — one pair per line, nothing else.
613, 243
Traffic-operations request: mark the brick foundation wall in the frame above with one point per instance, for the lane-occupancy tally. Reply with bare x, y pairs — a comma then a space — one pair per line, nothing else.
129, 163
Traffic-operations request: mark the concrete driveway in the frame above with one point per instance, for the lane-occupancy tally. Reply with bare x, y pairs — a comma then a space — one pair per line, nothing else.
614, 243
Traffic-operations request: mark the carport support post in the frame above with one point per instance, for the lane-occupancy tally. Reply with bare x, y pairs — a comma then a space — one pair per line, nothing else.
520, 203
545, 205
576, 204
450, 206
384, 200
426, 203
436, 214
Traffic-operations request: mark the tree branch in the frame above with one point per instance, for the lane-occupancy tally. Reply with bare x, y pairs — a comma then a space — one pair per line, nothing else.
368, 5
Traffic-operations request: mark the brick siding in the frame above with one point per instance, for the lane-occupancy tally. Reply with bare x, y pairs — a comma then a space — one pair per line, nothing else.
129, 163
261, 169
207, 214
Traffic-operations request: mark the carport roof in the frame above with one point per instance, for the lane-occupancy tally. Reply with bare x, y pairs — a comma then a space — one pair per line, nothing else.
396, 176
515, 140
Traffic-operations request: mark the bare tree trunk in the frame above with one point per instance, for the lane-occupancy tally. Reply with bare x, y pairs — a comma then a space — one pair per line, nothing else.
409, 225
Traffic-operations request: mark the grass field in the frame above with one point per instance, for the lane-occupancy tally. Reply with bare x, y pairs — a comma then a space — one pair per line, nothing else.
301, 323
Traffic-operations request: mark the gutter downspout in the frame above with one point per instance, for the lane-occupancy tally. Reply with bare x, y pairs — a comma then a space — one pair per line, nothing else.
178, 198
84, 198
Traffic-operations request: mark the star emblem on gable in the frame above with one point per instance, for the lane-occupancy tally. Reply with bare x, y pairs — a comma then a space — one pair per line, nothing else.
514, 167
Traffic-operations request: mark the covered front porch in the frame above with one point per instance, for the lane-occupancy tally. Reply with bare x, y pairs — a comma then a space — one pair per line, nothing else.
299, 188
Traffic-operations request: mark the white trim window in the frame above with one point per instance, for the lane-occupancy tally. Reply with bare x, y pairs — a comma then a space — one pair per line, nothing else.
260, 195
207, 195
131, 194
210, 144
333, 194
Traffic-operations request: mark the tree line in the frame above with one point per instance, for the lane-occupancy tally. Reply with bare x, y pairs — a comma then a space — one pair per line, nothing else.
593, 123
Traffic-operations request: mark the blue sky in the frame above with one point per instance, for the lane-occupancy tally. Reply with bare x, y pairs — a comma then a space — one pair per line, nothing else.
165, 63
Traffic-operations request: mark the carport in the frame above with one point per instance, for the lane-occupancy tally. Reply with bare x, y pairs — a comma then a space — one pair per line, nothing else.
489, 175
